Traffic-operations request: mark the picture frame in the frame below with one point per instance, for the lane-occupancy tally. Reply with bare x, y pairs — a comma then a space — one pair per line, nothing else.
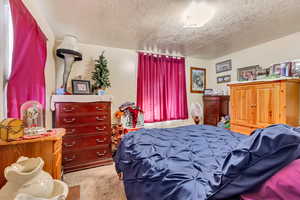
81, 87
224, 66
247, 73
224, 79
197, 80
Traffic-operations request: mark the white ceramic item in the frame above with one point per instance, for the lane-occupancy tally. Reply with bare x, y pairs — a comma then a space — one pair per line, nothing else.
27, 181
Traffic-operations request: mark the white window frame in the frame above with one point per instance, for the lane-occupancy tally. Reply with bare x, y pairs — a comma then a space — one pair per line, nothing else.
6, 47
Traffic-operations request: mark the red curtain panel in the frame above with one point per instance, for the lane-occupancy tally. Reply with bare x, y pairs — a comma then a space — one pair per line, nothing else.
161, 88
27, 80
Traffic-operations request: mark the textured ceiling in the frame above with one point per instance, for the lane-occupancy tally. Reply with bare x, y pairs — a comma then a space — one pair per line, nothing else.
139, 24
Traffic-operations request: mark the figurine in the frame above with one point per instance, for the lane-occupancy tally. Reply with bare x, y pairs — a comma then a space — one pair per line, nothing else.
224, 122
33, 116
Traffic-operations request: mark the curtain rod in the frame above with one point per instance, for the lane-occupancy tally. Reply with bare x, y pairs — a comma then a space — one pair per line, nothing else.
164, 54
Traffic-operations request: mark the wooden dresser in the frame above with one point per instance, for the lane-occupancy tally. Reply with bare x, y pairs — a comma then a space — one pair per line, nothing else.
88, 134
214, 108
262, 103
48, 148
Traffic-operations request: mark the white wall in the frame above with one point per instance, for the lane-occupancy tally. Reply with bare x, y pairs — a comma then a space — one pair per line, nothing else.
50, 62
279, 50
123, 72
193, 62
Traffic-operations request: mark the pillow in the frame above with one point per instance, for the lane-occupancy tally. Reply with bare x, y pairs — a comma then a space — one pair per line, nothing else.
285, 184
256, 159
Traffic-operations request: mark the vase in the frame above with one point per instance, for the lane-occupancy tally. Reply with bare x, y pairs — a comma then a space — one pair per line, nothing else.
27, 180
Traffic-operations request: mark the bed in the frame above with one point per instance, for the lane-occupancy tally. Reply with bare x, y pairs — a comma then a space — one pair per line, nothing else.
200, 162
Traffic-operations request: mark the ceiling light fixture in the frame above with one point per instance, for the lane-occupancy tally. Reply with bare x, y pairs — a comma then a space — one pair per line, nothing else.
197, 14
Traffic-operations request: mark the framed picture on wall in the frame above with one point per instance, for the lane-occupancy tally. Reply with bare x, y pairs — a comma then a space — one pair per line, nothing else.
247, 73
197, 80
224, 79
81, 87
223, 66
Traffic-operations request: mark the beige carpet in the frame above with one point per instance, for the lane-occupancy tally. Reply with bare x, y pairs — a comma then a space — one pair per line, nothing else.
101, 183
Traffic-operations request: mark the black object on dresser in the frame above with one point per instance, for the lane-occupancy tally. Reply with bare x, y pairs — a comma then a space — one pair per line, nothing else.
214, 108
87, 142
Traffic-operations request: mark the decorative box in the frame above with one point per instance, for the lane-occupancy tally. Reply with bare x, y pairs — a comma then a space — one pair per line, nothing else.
11, 129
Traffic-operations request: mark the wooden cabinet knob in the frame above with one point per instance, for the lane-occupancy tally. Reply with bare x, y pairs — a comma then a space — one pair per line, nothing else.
100, 129
70, 145
69, 121
101, 154
100, 141
71, 131
69, 109
99, 109
69, 159
99, 119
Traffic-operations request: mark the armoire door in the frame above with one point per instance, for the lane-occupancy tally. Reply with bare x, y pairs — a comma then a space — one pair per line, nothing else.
267, 104
243, 105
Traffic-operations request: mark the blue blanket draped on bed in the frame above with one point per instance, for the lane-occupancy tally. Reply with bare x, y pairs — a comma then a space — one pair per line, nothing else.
186, 163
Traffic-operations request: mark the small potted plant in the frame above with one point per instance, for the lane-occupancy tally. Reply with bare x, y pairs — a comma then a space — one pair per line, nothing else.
101, 75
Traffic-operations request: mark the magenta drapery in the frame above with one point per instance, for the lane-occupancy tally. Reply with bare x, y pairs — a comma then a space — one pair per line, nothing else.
27, 80
161, 88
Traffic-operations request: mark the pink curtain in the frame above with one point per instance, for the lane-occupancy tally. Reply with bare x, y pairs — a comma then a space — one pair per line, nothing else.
27, 80
161, 88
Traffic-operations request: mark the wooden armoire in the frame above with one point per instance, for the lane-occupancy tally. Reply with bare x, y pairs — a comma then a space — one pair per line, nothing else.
260, 104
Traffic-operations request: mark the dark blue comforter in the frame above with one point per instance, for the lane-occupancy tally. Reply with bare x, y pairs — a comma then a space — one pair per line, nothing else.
180, 163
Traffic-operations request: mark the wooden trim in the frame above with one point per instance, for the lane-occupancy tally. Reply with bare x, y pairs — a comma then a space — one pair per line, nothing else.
60, 132
297, 80
191, 83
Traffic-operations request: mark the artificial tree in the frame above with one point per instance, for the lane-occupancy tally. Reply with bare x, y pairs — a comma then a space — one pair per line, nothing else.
101, 73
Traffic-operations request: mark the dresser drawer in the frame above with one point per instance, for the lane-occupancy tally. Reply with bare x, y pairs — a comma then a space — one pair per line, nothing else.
70, 121
82, 108
89, 129
211, 120
82, 156
71, 143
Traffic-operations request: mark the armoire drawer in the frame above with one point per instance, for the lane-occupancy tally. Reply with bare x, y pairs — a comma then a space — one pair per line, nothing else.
82, 108
71, 143
68, 121
89, 129
82, 156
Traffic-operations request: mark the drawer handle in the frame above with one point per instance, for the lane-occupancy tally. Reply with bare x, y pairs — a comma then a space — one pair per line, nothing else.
69, 121
69, 109
100, 119
70, 145
100, 129
99, 109
101, 154
71, 131
69, 159
100, 141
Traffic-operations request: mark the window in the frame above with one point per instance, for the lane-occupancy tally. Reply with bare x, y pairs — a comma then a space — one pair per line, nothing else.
6, 52
9, 43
